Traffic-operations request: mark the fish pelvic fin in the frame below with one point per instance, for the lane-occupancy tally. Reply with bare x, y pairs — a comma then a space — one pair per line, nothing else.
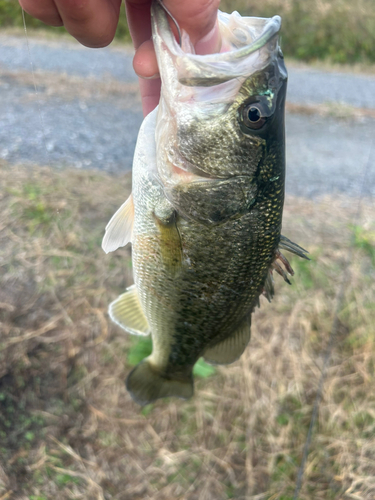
126, 311
119, 229
230, 349
146, 384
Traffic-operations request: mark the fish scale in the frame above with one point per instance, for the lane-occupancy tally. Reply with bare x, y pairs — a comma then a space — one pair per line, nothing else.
205, 215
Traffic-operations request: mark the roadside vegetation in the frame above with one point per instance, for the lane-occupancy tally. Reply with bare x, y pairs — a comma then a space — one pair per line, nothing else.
340, 31
69, 429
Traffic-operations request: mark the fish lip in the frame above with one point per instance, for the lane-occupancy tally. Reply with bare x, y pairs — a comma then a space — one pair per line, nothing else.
212, 69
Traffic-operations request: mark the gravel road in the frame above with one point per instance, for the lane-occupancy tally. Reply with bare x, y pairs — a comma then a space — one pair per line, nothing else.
324, 154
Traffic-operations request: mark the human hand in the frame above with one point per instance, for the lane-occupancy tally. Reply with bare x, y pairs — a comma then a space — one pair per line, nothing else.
196, 17
93, 23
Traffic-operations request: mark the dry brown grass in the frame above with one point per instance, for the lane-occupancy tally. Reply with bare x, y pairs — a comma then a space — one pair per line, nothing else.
338, 110
68, 428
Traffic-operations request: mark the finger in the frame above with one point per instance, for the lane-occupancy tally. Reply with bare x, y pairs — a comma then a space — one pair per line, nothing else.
45, 10
197, 17
144, 62
138, 15
210, 43
92, 22
150, 93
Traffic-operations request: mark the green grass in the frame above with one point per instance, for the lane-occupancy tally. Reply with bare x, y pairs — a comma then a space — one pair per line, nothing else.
338, 30
365, 240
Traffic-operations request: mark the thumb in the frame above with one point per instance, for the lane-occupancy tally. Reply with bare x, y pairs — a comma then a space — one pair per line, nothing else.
199, 19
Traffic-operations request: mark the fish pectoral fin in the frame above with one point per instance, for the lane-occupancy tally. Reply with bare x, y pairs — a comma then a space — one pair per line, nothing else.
288, 245
119, 229
146, 384
127, 312
170, 249
229, 350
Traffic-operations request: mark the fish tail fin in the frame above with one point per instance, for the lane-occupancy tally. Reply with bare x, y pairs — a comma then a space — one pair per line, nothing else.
146, 384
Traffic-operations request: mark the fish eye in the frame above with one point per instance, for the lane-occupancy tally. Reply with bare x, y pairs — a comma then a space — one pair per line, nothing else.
253, 117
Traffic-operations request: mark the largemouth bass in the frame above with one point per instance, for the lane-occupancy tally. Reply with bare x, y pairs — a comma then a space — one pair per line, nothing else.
204, 217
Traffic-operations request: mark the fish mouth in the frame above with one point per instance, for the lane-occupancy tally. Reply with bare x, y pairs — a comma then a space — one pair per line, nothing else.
253, 42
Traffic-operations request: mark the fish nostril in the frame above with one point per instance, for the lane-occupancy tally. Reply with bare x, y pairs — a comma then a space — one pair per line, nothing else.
241, 35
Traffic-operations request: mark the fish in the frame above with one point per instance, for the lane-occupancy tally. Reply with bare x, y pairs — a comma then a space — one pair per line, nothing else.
205, 214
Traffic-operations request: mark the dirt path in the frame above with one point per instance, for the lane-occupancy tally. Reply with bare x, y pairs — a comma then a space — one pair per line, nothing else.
87, 114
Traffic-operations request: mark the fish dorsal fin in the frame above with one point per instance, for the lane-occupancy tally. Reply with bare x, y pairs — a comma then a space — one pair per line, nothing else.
127, 312
229, 350
118, 231
288, 245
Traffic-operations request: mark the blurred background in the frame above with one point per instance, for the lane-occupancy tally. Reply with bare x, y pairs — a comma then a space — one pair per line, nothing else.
69, 118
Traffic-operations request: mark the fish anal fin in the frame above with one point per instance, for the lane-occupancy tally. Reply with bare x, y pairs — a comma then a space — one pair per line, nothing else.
126, 311
269, 289
230, 349
119, 229
147, 384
